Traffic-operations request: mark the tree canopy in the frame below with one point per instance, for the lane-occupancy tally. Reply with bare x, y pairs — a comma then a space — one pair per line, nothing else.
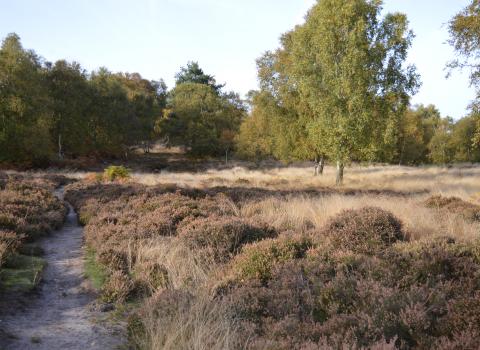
192, 73
200, 119
59, 109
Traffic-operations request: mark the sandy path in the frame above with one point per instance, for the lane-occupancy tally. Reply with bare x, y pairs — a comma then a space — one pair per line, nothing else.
59, 316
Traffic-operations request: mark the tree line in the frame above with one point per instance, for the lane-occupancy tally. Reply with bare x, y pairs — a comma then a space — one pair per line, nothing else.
49, 111
338, 88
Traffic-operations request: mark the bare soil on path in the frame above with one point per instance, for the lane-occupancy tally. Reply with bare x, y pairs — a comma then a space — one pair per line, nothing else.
59, 315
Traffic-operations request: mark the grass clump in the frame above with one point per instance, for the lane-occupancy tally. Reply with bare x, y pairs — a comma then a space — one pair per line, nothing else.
113, 173
21, 273
94, 271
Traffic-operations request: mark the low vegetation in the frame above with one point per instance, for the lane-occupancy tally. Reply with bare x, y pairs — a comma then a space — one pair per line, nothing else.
257, 268
28, 210
114, 172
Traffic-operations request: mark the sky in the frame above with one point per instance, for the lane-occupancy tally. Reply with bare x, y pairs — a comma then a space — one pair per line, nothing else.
156, 37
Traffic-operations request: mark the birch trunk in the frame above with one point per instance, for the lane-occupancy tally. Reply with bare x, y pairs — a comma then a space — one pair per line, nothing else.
340, 167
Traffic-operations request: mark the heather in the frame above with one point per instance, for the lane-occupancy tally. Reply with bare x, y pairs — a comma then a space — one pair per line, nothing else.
28, 210
247, 267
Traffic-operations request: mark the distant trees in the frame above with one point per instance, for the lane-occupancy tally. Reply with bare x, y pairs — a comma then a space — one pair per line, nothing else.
192, 73
199, 115
465, 38
51, 110
338, 86
24, 114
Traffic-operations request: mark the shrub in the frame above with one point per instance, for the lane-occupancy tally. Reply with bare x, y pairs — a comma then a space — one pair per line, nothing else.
113, 173
367, 230
467, 210
117, 289
9, 243
28, 209
257, 260
222, 237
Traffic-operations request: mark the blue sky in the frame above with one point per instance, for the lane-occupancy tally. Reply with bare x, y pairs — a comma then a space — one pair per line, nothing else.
156, 37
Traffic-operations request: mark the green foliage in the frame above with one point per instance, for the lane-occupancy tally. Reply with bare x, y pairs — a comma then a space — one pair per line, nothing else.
259, 259
58, 109
21, 273
349, 66
200, 119
94, 271
114, 172
462, 140
255, 137
465, 38
337, 87
192, 73
24, 115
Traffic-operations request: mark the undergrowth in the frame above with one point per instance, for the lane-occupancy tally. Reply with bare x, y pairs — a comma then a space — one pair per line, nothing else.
209, 271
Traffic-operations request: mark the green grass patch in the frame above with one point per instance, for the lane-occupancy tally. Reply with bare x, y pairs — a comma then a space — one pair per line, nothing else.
113, 173
94, 271
21, 273
31, 249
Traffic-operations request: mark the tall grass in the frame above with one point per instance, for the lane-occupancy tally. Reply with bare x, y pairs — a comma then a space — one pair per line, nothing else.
459, 180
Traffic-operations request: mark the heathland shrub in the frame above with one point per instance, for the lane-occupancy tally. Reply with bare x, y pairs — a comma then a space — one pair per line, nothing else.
222, 237
356, 283
467, 210
117, 288
114, 172
28, 209
367, 230
257, 260
410, 295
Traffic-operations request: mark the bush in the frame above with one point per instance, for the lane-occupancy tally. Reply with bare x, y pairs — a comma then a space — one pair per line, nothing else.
411, 295
367, 230
257, 260
117, 289
28, 209
467, 210
113, 173
222, 237
9, 243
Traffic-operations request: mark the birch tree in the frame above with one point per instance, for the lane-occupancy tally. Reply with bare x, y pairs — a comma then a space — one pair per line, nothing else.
349, 66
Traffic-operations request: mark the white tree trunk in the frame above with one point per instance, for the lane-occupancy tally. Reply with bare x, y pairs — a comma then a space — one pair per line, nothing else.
340, 167
321, 165
60, 149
